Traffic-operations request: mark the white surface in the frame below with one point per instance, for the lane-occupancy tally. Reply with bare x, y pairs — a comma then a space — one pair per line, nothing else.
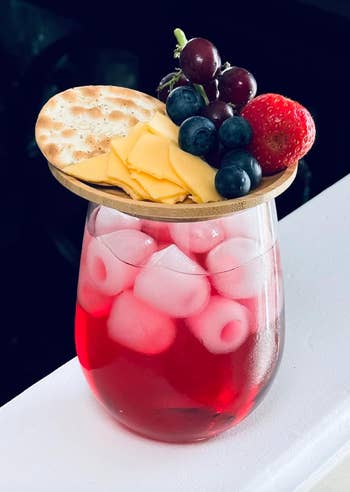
54, 437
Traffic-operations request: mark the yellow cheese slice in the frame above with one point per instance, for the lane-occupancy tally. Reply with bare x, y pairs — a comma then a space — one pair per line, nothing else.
196, 174
129, 191
93, 170
123, 145
118, 174
173, 199
162, 125
150, 155
157, 188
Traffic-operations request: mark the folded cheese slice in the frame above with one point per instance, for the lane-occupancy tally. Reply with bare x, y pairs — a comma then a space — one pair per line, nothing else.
157, 188
163, 126
123, 145
197, 175
173, 199
150, 155
118, 174
92, 170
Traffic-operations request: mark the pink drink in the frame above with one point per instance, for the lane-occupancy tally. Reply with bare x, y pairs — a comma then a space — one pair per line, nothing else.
179, 326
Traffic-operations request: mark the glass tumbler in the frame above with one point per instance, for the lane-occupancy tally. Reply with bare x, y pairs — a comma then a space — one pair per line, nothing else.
179, 325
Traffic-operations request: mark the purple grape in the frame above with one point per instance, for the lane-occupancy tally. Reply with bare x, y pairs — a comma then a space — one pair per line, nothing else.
217, 112
199, 60
162, 93
237, 86
211, 89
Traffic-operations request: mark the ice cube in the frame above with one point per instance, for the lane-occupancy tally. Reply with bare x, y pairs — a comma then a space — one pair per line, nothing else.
138, 326
133, 247
109, 274
113, 260
242, 224
198, 237
158, 230
255, 223
90, 298
222, 326
109, 220
267, 306
237, 268
173, 283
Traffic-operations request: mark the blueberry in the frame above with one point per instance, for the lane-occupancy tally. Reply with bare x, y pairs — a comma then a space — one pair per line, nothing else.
197, 135
244, 160
232, 182
183, 102
235, 132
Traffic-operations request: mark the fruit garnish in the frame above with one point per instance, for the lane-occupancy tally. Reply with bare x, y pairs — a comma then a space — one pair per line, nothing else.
283, 131
237, 86
170, 82
197, 135
232, 182
211, 89
209, 125
256, 135
244, 160
182, 103
199, 60
235, 132
217, 112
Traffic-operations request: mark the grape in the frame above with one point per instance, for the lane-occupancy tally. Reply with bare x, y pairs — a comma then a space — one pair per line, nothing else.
237, 86
199, 60
217, 112
163, 93
211, 89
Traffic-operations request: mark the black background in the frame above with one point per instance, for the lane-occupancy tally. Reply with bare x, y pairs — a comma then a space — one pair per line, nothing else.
292, 48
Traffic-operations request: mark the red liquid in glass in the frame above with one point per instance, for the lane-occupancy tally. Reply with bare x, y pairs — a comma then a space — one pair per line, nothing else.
184, 393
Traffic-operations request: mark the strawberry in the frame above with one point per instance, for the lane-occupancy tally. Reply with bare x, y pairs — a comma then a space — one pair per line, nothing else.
283, 131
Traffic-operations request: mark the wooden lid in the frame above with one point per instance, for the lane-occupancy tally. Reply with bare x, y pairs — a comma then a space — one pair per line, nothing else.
113, 197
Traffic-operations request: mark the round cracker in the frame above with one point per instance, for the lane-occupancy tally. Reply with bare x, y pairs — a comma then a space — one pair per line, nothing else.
79, 123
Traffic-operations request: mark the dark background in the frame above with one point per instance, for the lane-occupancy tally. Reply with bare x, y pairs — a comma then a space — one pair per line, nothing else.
299, 49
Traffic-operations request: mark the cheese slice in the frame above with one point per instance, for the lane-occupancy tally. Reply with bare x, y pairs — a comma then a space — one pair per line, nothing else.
163, 126
93, 170
150, 155
196, 174
174, 199
118, 174
132, 193
157, 188
123, 145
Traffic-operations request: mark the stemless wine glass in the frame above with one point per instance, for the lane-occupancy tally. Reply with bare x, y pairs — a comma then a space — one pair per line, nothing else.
179, 325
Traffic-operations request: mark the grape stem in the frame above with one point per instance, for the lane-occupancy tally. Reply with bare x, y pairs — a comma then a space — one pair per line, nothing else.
172, 81
180, 37
201, 90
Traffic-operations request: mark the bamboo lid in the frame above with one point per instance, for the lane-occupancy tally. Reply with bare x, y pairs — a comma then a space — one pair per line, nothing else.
113, 197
